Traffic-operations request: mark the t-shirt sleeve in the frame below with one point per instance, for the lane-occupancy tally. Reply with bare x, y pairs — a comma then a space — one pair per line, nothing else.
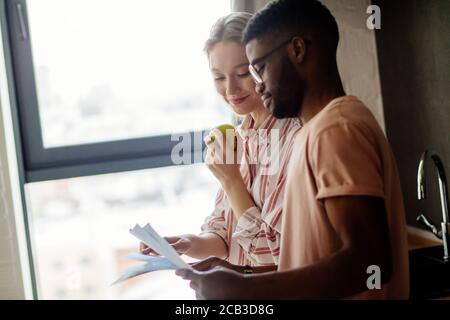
345, 161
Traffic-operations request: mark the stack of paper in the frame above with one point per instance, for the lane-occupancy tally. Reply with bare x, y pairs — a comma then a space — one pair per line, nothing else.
168, 259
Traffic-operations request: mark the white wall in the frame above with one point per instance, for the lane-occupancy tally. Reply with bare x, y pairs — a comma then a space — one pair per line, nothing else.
357, 54
15, 280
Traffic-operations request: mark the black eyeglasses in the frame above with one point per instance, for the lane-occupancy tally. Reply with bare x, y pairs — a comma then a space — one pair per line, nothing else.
255, 73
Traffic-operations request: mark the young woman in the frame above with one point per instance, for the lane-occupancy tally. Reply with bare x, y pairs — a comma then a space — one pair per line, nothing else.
245, 226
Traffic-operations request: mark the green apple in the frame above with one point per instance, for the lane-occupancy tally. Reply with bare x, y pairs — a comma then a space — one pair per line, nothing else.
223, 129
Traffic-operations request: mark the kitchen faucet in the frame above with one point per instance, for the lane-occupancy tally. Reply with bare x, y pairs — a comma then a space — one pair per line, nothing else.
444, 232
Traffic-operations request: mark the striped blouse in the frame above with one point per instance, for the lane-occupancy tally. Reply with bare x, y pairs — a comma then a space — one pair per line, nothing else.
254, 238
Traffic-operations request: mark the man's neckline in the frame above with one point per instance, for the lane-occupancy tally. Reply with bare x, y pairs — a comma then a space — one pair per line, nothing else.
329, 105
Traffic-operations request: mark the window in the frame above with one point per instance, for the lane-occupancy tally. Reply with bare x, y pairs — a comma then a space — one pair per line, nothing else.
80, 229
100, 86
119, 71
107, 82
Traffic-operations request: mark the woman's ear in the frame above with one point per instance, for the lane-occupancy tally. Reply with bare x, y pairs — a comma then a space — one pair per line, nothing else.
298, 49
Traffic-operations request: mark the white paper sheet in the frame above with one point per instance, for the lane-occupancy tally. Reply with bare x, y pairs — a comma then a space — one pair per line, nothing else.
152, 239
168, 259
154, 263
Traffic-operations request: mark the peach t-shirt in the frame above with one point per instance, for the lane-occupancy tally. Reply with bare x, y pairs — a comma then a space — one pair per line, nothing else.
341, 151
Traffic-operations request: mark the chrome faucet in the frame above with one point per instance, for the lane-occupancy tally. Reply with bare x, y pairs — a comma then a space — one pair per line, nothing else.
444, 232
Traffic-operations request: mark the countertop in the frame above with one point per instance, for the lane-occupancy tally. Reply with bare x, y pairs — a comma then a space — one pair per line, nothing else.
418, 239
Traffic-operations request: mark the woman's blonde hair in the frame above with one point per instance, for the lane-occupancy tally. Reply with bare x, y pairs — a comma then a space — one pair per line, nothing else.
228, 28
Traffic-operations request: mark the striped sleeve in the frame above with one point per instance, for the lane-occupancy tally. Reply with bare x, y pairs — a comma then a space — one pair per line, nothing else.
258, 229
217, 222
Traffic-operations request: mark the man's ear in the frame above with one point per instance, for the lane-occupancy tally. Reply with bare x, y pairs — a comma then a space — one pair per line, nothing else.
298, 49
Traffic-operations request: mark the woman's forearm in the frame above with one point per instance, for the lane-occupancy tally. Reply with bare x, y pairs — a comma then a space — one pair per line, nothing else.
238, 196
206, 245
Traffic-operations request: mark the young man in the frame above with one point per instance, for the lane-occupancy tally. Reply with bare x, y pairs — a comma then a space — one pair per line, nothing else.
344, 215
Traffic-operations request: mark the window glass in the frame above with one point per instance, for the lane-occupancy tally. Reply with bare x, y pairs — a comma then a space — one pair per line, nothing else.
114, 69
80, 229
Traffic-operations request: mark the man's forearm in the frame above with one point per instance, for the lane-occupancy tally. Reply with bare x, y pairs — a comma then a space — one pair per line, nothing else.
264, 269
341, 275
255, 270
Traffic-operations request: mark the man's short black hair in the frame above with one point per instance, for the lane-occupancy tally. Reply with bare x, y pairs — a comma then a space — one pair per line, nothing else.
294, 18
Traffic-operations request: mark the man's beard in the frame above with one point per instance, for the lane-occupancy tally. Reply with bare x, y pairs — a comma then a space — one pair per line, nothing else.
290, 92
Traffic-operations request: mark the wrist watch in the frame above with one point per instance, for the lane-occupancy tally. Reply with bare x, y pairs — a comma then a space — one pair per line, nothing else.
248, 269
